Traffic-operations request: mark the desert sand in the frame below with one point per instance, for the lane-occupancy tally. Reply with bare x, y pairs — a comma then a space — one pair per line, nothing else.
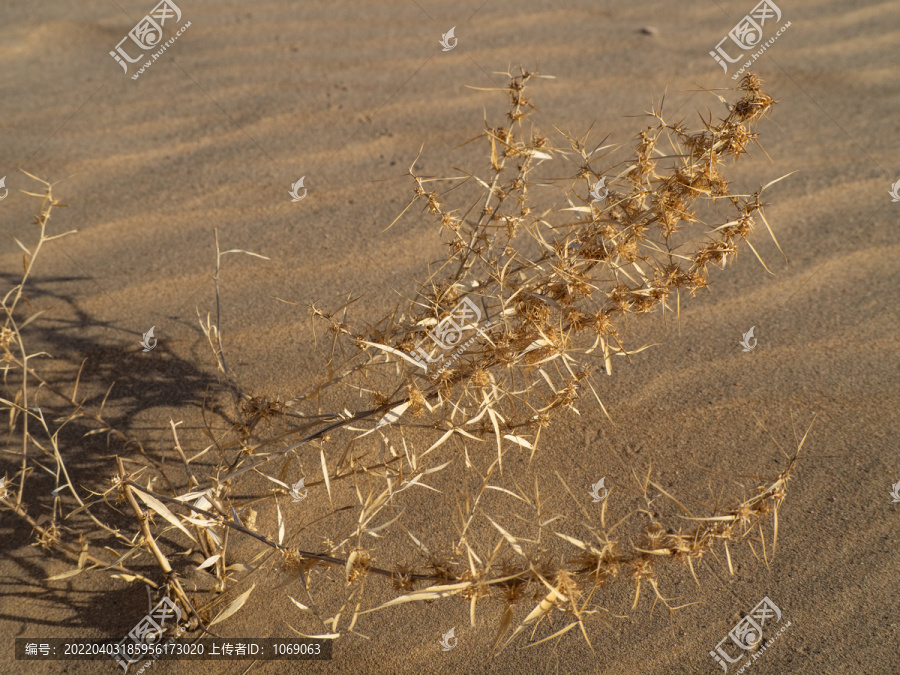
253, 96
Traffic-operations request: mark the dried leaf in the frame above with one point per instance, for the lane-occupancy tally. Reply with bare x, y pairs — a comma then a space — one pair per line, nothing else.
323, 636
430, 593
325, 472
393, 415
234, 606
65, 575
209, 562
519, 440
511, 539
396, 352
162, 510
300, 605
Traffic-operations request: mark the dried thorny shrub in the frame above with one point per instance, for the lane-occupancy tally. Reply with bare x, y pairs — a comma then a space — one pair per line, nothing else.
510, 332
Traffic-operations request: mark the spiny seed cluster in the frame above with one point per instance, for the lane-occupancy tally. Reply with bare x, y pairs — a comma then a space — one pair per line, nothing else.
554, 289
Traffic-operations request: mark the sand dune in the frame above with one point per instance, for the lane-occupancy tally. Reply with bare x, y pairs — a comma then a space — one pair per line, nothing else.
251, 97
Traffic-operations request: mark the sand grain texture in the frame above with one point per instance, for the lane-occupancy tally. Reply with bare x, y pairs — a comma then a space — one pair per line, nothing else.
252, 96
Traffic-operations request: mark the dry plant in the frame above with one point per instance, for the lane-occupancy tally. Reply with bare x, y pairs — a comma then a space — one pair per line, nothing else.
508, 333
